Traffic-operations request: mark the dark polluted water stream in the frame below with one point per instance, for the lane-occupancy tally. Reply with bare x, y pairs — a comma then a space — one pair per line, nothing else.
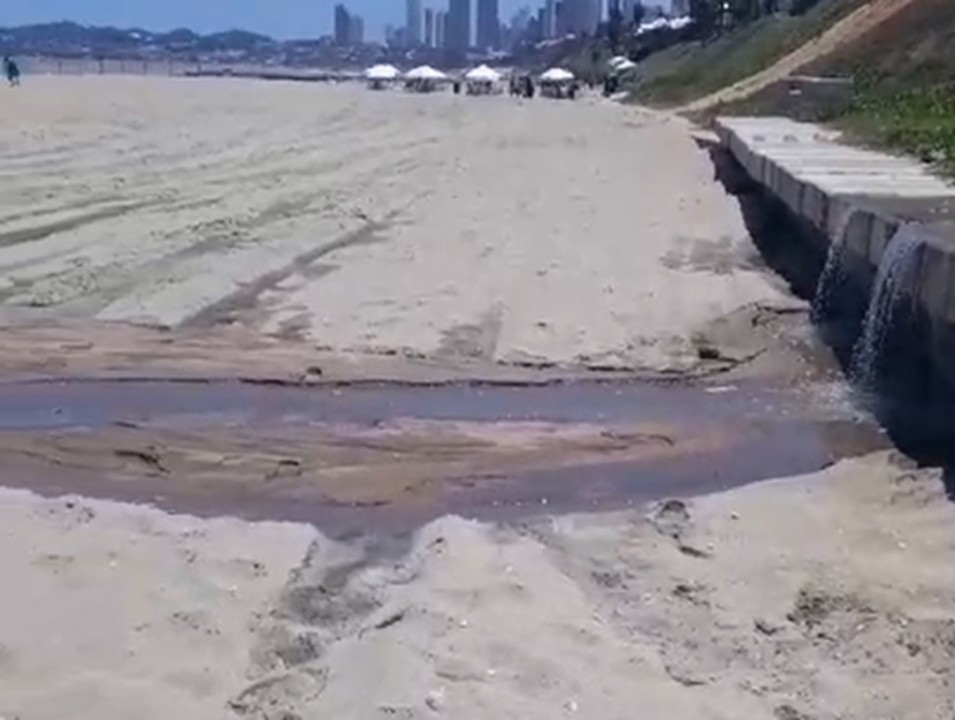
50, 405
411, 453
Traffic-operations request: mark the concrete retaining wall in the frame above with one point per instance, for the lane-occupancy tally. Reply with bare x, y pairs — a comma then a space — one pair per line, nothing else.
859, 198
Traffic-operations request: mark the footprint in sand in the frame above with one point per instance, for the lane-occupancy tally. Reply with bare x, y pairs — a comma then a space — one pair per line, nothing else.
53, 563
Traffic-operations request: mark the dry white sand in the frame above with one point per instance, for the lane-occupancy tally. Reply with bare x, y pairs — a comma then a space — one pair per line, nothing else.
488, 227
814, 598
117, 612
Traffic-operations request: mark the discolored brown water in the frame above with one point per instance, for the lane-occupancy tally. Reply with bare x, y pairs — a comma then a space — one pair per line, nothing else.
352, 458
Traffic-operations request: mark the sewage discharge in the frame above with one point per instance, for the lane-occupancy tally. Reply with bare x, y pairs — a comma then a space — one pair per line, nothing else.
833, 280
886, 315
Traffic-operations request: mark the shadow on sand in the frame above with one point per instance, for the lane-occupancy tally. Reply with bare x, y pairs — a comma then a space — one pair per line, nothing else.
904, 389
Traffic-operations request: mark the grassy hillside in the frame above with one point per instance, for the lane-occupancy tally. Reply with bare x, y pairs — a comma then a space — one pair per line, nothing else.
919, 122
691, 70
915, 49
904, 72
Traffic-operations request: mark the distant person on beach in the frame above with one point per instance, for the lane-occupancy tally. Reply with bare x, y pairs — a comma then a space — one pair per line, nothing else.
12, 71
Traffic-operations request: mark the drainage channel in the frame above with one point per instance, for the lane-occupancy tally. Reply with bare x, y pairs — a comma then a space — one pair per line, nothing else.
391, 457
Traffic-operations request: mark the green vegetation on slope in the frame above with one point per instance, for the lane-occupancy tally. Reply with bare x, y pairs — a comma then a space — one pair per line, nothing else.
904, 72
920, 121
691, 70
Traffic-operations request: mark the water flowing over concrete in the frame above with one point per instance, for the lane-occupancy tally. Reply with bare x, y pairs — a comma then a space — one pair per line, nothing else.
884, 297
834, 276
891, 303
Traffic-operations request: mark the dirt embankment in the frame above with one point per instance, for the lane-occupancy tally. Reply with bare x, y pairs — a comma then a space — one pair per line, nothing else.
913, 48
700, 77
840, 37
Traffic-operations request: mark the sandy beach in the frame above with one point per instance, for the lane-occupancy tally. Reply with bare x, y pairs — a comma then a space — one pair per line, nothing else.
815, 597
511, 231
234, 312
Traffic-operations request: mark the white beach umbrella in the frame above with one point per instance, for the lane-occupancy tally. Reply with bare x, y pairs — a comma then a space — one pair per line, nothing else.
557, 75
425, 72
483, 73
382, 72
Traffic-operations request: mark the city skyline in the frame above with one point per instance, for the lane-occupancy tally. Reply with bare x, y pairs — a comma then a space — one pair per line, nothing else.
505, 10
283, 19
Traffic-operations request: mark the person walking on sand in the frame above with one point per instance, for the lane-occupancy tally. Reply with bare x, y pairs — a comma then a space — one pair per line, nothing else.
11, 70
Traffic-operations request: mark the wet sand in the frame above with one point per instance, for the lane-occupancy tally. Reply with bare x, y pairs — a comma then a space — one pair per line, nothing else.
381, 309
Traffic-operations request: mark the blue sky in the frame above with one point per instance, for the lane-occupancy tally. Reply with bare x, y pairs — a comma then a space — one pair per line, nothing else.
281, 18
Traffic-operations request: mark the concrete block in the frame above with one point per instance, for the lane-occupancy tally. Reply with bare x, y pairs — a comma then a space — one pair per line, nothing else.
858, 233
946, 313
938, 302
935, 280
738, 144
745, 157
769, 176
815, 206
790, 190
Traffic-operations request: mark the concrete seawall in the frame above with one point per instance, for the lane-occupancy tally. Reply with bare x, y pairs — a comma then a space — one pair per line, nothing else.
857, 201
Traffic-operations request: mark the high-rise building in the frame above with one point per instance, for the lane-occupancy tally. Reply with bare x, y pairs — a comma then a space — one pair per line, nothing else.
595, 15
413, 22
549, 29
626, 9
488, 25
428, 37
441, 29
540, 24
356, 30
342, 25
581, 17
560, 17
520, 19
459, 25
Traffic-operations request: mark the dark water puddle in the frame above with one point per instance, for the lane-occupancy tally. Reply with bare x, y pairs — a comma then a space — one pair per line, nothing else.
758, 453
711, 439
